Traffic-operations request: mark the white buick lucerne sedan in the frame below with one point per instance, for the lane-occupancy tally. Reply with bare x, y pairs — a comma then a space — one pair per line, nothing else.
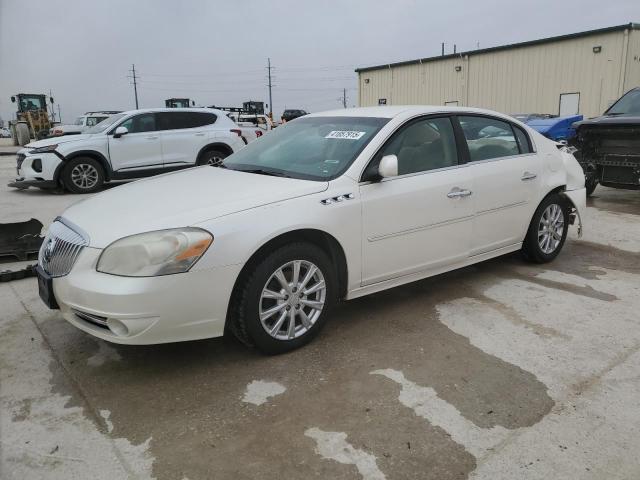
330, 206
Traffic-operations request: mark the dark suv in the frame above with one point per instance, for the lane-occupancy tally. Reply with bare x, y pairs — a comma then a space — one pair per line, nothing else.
289, 115
609, 146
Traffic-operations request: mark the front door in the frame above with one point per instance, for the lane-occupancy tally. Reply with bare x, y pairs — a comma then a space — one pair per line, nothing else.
141, 147
421, 219
506, 175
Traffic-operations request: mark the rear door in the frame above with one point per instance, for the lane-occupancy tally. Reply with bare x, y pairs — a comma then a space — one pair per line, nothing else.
506, 175
140, 147
183, 136
419, 220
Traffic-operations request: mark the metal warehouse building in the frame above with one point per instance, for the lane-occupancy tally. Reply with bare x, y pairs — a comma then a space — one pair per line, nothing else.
578, 73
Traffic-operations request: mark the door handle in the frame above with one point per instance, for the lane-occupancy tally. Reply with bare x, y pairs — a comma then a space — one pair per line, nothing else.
199, 134
528, 176
152, 138
457, 193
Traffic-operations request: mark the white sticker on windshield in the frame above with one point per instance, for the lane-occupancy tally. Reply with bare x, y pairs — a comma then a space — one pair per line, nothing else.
346, 134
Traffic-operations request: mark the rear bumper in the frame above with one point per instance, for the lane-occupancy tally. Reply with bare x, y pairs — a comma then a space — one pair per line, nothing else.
579, 200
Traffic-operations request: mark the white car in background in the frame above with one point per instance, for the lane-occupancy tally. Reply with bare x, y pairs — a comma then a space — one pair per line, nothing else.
331, 206
82, 123
133, 144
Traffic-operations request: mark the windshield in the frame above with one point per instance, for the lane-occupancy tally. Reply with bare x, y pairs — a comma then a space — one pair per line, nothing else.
318, 148
31, 102
105, 124
79, 121
629, 104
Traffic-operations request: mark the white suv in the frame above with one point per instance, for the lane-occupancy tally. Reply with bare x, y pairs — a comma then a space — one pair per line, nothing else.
133, 144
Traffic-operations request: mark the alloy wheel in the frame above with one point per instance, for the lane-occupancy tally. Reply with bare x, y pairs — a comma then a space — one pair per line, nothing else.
551, 228
214, 160
84, 176
292, 300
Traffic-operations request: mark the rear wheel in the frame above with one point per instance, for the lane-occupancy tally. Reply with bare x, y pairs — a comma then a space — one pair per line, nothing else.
590, 183
548, 230
286, 299
82, 175
212, 157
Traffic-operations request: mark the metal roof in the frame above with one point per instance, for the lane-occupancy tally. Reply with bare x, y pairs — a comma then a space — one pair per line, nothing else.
627, 26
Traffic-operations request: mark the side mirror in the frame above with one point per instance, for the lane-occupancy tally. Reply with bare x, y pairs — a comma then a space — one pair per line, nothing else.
193, 103
51, 100
13, 99
120, 131
388, 166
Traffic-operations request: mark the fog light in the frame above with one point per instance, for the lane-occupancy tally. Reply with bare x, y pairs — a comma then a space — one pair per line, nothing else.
36, 165
117, 327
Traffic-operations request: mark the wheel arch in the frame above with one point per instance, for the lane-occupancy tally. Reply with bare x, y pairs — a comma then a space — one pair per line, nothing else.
215, 146
327, 242
99, 157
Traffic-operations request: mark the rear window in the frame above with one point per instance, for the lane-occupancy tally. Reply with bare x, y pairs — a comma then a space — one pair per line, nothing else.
179, 120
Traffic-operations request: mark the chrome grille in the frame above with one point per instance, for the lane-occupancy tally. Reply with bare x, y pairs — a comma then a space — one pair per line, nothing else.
60, 249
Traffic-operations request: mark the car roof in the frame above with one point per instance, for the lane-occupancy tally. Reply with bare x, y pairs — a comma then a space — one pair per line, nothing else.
397, 110
193, 109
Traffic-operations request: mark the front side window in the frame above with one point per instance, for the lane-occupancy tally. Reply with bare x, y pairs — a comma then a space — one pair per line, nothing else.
316, 148
145, 122
423, 145
488, 138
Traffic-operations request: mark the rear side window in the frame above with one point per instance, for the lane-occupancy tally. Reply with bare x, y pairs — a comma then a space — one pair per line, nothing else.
179, 120
488, 138
523, 140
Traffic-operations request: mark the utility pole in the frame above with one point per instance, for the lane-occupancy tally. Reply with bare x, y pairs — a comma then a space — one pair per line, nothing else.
344, 97
270, 98
135, 83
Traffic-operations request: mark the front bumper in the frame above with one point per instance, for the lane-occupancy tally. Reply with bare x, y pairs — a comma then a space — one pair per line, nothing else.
32, 175
146, 310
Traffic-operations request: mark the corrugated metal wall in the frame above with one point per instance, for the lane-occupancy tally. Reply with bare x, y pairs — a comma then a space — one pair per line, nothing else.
528, 79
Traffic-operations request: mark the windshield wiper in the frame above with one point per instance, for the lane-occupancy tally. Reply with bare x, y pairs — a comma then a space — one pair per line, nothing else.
260, 171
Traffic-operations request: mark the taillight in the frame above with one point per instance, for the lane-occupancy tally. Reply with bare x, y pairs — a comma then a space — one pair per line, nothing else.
237, 132
258, 133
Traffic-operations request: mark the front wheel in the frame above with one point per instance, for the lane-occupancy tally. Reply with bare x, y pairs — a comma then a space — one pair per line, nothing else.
286, 299
591, 183
548, 230
82, 175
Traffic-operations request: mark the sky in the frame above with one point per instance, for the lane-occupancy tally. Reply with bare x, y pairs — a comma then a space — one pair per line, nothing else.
215, 52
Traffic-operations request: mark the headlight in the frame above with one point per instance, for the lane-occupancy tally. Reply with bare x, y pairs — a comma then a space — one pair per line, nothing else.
155, 253
48, 148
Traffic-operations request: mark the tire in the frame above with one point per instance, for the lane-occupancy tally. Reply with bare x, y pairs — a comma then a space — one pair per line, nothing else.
23, 135
212, 157
82, 175
255, 298
590, 184
546, 236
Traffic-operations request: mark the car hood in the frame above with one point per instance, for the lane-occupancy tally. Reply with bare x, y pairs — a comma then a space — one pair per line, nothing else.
56, 141
178, 200
609, 120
